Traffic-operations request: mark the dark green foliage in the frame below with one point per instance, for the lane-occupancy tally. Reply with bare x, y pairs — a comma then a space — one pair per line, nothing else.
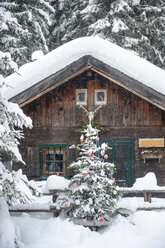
135, 25
25, 28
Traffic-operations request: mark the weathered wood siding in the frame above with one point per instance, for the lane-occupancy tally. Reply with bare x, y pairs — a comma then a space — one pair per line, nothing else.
58, 108
55, 116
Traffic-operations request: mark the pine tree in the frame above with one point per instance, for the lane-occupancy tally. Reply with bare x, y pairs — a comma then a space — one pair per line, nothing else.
91, 197
7, 65
135, 25
25, 28
12, 121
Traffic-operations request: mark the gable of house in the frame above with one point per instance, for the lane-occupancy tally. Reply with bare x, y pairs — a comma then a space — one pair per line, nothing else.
58, 107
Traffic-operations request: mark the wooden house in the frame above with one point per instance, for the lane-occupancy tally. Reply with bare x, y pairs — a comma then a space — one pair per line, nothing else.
133, 111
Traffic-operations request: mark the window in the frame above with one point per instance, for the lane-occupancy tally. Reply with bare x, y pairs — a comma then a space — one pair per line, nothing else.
100, 97
53, 159
81, 96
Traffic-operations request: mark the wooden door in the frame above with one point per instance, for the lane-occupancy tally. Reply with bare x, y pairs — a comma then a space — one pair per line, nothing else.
122, 155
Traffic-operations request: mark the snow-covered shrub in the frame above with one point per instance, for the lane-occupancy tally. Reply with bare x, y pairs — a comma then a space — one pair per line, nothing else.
15, 187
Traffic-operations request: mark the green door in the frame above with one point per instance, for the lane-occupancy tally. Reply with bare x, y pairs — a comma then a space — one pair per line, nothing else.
122, 155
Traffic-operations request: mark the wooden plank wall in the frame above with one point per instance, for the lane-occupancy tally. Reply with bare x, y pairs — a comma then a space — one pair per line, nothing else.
58, 108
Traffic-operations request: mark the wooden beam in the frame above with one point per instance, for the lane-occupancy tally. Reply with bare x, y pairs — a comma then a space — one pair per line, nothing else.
55, 85
33, 210
147, 194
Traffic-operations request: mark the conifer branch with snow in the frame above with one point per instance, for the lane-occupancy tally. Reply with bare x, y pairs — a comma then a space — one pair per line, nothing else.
12, 184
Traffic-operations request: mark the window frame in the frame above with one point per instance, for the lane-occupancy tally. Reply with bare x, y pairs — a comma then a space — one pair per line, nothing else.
42, 150
83, 91
105, 97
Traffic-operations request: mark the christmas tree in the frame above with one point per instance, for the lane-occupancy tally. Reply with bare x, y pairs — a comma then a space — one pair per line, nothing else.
91, 197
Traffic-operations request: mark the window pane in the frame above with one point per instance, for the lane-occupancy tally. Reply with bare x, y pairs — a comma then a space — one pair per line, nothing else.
49, 155
58, 166
100, 96
59, 155
50, 167
53, 159
81, 96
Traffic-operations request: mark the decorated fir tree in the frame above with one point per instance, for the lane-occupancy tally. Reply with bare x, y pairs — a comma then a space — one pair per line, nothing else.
91, 197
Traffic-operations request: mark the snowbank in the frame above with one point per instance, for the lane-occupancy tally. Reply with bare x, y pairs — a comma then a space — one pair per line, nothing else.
142, 229
132, 204
56, 182
9, 233
148, 182
107, 52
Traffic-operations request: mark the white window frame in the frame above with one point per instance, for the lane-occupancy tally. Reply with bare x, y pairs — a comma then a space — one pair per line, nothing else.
105, 97
77, 99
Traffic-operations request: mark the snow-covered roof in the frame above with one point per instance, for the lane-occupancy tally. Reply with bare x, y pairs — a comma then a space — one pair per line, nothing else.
110, 54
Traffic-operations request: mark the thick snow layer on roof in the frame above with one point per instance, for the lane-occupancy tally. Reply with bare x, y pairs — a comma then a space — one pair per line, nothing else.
107, 52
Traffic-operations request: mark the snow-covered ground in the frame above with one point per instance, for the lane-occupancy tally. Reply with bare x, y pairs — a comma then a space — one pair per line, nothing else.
144, 229
140, 229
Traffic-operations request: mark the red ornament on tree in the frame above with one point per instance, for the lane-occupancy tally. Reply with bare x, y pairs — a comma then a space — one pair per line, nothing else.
74, 184
84, 220
102, 152
68, 204
90, 152
106, 156
101, 219
82, 138
85, 174
88, 138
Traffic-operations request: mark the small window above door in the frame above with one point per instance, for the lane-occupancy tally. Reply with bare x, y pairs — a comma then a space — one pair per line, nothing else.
81, 96
100, 97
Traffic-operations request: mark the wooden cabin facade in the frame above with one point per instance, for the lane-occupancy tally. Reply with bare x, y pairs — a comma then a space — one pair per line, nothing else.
133, 113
